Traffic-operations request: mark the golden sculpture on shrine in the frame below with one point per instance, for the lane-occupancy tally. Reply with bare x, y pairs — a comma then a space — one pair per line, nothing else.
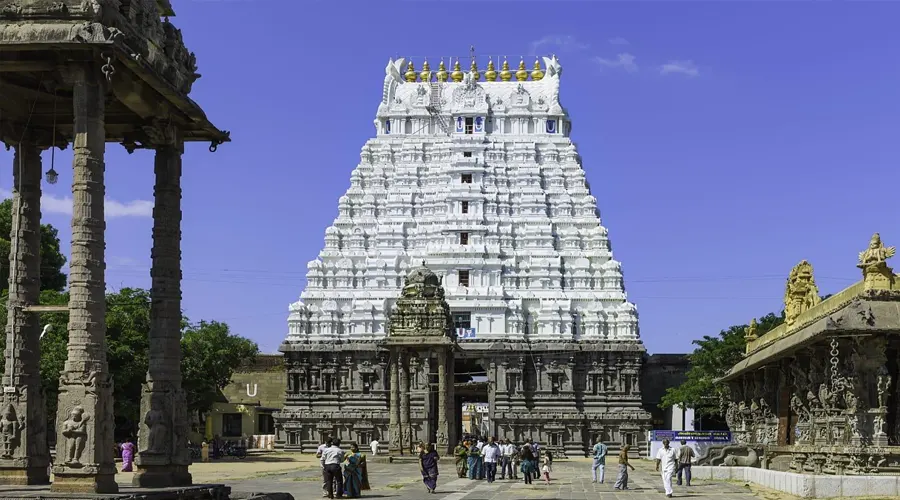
442, 72
537, 73
505, 73
877, 275
801, 292
522, 73
425, 75
457, 74
410, 72
750, 332
491, 74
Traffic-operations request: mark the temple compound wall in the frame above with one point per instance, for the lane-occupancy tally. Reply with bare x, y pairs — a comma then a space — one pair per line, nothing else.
474, 173
819, 393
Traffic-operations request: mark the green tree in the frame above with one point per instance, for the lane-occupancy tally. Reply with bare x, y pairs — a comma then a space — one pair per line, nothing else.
52, 260
712, 358
211, 353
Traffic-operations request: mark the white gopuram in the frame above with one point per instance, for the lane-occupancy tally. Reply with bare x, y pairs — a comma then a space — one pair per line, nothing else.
476, 176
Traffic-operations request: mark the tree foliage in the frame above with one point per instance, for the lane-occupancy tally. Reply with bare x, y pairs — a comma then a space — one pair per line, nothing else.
211, 353
712, 358
52, 260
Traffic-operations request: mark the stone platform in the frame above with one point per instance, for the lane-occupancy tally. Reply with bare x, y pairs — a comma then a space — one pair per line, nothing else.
196, 492
806, 485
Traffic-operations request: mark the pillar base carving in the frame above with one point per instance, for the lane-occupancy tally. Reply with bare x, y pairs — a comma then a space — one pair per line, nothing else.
21, 473
161, 476
163, 457
84, 454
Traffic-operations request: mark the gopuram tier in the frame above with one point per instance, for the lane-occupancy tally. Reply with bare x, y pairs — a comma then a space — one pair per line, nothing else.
474, 174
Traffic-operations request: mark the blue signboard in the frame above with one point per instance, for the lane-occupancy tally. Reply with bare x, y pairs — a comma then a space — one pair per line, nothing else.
465, 333
674, 436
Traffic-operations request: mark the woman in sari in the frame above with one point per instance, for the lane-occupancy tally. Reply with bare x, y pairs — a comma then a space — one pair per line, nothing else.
474, 455
428, 463
462, 458
127, 455
355, 477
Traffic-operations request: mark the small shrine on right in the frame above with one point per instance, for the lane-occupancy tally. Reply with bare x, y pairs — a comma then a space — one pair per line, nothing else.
819, 393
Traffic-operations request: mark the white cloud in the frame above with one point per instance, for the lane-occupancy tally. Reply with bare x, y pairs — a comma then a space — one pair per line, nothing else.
51, 204
623, 60
618, 41
561, 43
116, 261
683, 67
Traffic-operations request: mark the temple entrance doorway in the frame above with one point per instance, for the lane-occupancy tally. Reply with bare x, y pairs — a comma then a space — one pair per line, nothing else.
472, 405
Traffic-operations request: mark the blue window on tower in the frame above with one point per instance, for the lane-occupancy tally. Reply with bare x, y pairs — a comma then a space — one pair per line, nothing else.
387, 126
551, 126
460, 124
479, 124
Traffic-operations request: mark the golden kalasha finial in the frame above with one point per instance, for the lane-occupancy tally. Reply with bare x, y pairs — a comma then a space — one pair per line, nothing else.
505, 73
536, 73
410, 72
490, 75
442, 72
425, 75
522, 73
474, 70
457, 74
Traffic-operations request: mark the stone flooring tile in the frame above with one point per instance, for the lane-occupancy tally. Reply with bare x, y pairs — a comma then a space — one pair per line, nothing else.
570, 480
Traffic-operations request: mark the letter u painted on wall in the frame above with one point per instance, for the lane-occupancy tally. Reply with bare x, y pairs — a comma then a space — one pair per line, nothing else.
255, 388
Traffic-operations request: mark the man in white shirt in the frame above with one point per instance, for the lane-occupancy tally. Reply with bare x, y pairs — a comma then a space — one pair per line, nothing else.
319, 451
331, 459
374, 445
668, 458
491, 453
507, 450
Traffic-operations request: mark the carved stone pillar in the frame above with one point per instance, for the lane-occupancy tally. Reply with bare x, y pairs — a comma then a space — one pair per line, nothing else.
443, 425
84, 450
163, 455
452, 424
405, 430
394, 425
24, 456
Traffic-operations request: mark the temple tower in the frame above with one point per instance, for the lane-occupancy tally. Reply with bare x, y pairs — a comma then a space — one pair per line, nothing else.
475, 173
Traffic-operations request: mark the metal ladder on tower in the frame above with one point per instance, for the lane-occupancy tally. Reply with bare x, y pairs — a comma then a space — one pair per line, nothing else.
434, 107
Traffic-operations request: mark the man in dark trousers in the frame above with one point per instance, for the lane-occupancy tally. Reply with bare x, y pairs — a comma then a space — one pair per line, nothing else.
685, 454
332, 457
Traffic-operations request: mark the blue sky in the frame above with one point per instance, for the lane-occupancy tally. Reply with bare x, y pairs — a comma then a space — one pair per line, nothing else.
724, 142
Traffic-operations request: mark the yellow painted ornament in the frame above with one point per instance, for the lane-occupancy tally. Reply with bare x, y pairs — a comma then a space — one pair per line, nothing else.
522, 73
442, 72
425, 75
410, 72
490, 75
505, 73
474, 70
536, 73
457, 74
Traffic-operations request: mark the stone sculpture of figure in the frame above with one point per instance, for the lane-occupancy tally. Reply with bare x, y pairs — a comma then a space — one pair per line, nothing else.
876, 254
801, 292
883, 384
75, 431
10, 429
799, 409
825, 396
157, 442
750, 333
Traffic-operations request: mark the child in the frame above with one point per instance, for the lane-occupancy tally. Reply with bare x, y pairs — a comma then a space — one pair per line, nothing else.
547, 466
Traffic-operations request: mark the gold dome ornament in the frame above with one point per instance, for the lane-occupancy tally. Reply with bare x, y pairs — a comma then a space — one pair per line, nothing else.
457, 74
425, 75
505, 73
490, 75
410, 72
522, 73
442, 72
474, 70
536, 73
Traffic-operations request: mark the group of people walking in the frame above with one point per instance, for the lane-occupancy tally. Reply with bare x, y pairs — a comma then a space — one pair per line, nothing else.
349, 482
477, 459
669, 462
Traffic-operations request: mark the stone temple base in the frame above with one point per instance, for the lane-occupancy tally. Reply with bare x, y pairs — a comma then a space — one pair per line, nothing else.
30, 476
84, 483
161, 476
197, 492
805, 485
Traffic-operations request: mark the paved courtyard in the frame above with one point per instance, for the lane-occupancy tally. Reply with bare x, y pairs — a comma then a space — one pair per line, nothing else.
571, 480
